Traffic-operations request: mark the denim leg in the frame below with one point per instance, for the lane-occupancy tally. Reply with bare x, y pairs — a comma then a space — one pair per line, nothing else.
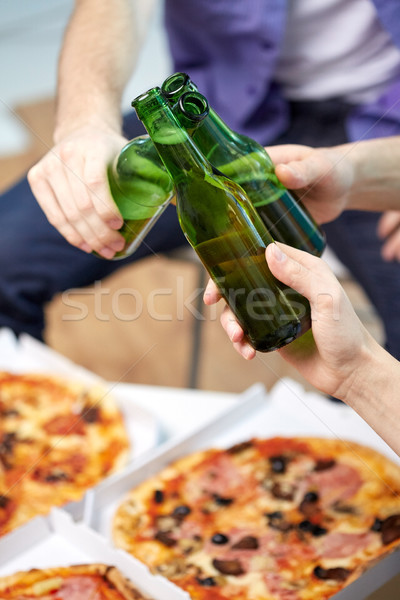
36, 262
354, 240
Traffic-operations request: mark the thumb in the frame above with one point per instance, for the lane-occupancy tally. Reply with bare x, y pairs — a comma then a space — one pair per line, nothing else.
305, 273
299, 173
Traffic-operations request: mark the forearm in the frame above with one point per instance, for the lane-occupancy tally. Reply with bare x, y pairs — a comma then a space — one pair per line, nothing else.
376, 175
374, 394
100, 48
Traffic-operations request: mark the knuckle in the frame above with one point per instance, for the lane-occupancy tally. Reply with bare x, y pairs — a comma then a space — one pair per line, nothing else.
103, 236
34, 175
106, 211
94, 180
84, 204
66, 151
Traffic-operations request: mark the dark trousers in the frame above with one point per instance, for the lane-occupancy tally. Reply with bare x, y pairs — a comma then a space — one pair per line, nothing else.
36, 262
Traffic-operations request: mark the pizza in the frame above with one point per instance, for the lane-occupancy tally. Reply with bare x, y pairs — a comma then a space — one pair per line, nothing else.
78, 582
267, 519
57, 439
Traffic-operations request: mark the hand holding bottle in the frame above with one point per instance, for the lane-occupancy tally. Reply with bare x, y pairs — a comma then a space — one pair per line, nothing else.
339, 344
322, 177
70, 184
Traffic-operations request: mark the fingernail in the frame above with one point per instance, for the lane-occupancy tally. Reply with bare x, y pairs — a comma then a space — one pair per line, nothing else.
118, 245
291, 170
278, 254
248, 352
231, 330
115, 223
85, 248
107, 252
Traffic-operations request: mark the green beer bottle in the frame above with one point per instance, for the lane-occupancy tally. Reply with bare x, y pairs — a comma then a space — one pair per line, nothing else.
246, 162
224, 229
141, 188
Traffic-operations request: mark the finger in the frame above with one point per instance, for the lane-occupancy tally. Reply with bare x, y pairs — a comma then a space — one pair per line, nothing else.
47, 201
211, 294
287, 152
244, 349
391, 248
83, 204
236, 334
74, 220
99, 191
231, 326
303, 173
388, 222
307, 274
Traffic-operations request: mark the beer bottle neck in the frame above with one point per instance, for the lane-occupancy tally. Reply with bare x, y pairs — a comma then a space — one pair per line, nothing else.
177, 151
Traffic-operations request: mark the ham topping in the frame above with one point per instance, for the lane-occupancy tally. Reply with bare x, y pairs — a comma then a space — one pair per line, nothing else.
342, 545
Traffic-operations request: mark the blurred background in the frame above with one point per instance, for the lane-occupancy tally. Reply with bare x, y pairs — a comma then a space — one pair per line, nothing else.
162, 344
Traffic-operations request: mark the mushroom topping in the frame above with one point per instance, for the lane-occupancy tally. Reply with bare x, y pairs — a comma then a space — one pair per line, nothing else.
323, 464
308, 504
164, 538
336, 573
240, 447
158, 496
283, 491
390, 529
4, 500
222, 501
277, 521
248, 542
90, 414
228, 567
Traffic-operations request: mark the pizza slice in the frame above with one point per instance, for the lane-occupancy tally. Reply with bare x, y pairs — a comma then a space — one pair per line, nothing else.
77, 582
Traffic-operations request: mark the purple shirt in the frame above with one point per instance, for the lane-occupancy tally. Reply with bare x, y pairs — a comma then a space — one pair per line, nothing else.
230, 49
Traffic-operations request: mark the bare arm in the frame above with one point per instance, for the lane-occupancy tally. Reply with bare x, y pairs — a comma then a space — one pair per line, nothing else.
100, 48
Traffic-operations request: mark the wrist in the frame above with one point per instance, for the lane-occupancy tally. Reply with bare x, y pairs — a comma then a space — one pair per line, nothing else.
369, 368
68, 126
97, 112
374, 164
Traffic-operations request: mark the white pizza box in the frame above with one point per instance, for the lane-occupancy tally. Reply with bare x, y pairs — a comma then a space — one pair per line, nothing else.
151, 413
57, 541
287, 410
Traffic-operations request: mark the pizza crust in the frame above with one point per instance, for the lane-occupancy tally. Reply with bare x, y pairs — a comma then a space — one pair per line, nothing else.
29, 582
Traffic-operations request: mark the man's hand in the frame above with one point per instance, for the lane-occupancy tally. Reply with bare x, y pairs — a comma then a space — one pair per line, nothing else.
321, 177
389, 232
70, 184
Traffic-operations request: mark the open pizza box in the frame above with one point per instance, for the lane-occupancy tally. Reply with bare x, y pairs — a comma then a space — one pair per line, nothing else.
27, 355
288, 411
58, 541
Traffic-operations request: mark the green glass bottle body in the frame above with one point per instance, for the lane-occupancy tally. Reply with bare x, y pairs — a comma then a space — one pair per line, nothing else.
246, 162
224, 229
141, 188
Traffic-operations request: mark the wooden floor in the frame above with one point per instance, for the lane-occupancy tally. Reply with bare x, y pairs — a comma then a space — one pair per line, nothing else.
138, 325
